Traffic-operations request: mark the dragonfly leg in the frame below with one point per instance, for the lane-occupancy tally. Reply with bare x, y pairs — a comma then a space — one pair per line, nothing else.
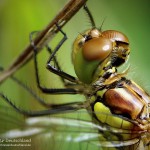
57, 65
54, 109
55, 70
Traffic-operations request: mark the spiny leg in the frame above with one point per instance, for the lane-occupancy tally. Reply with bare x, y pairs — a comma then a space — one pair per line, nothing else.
32, 93
56, 63
56, 109
53, 108
29, 90
54, 70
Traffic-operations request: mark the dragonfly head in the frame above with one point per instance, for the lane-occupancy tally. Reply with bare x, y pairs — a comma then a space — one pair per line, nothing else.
94, 50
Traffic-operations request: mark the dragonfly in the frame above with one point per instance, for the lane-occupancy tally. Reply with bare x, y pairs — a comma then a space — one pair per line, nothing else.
118, 107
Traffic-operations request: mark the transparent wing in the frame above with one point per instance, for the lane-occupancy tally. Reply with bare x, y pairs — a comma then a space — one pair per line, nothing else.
64, 132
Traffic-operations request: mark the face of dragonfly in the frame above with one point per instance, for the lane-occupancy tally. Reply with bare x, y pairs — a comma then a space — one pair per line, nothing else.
95, 53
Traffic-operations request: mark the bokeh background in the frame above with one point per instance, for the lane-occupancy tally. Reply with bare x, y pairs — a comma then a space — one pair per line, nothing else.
19, 18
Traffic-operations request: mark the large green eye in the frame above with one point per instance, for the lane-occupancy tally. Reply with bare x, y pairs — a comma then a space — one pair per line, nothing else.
89, 51
94, 49
84, 69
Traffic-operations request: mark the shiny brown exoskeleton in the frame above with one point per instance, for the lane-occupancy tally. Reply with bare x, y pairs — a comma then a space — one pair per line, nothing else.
124, 97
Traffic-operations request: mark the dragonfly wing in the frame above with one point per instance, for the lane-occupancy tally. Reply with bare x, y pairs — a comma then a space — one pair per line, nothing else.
62, 132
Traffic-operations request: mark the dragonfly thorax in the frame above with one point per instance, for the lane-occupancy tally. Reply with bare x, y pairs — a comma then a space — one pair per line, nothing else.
125, 98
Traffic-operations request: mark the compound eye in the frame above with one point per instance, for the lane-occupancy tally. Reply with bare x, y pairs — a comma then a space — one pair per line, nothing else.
97, 49
115, 36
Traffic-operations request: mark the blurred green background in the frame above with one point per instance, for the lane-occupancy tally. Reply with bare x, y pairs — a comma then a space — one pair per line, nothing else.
19, 18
